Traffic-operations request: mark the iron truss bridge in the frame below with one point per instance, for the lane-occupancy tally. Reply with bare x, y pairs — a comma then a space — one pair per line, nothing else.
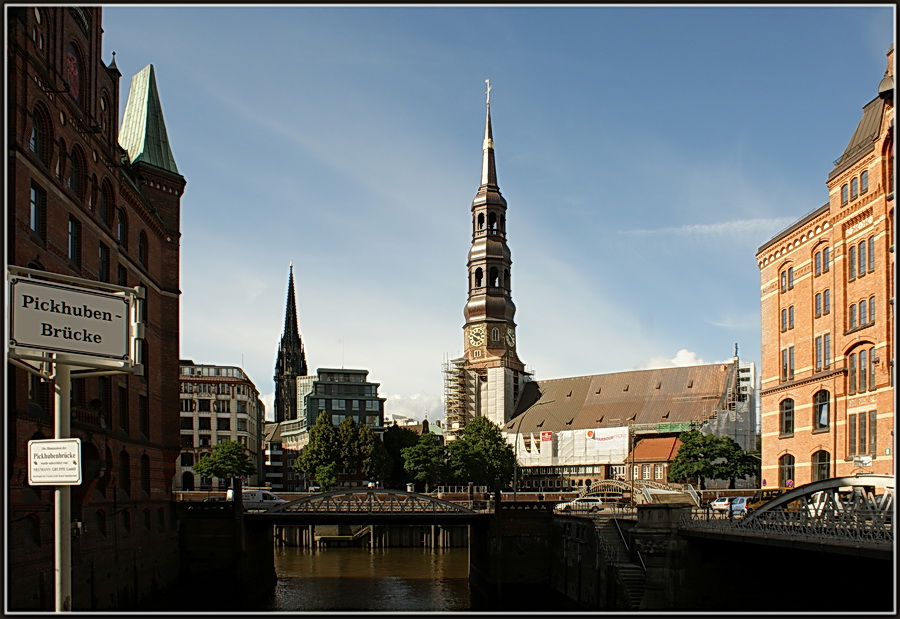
368, 506
846, 515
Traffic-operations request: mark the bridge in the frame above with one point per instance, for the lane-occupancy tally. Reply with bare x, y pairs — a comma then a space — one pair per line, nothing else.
841, 515
371, 506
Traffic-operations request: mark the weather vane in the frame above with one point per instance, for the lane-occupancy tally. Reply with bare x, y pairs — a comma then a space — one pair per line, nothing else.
488, 82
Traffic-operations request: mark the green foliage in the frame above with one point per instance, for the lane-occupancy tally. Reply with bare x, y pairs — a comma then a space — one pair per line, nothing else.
348, 444
481, 455
326, 475
706, 456
426, 461
396, 439
226, 460
323, 447
376, 462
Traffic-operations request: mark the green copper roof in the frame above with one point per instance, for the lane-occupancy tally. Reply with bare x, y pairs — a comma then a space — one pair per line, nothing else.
143, 131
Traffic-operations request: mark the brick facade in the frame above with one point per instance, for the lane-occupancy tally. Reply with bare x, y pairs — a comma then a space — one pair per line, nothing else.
827, 354
102, 218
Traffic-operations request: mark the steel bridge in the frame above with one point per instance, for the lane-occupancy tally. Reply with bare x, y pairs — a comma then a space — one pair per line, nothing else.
371, 506
842, 515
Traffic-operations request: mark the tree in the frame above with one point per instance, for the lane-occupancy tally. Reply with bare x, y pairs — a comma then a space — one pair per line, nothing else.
226, 461
322, 449
426, 461
481, 455
396, 439
326, 475
349, 445
376, 462
706, 456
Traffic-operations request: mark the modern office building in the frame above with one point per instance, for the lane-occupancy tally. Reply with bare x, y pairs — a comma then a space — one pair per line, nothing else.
90, 199
488, 379
827, 290
218, 403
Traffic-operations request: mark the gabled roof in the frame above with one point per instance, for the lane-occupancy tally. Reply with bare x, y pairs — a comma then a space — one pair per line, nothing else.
659, 396
143, 132
656, 449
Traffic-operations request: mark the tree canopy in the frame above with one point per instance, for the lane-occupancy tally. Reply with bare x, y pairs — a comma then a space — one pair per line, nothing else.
481, 455
228, 459
706, 456
396, 439
323, 447
426, 461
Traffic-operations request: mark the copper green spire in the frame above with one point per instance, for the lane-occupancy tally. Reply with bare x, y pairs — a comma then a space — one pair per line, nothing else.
143, 131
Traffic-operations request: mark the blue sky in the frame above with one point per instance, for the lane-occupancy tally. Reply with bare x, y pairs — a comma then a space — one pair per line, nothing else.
645, 153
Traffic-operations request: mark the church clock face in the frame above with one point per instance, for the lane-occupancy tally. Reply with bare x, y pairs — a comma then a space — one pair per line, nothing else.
510, 337
477, 335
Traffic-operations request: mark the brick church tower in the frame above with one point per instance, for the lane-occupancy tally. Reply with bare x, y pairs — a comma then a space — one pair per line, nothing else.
487, 380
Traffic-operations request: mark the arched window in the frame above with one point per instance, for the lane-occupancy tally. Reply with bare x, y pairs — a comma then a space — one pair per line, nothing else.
495, 334
142, 248
122, 228
864, 181
872, 361
77, 173
821, 465
145, 474
785, 470
863, 371
73, 72
106, 208
851, 373
854, 188
479, 276
863, 312
41, 141
786, 417
495, 274
124, 472
821, 412
187, 481
844, 194
481, 221
492, 222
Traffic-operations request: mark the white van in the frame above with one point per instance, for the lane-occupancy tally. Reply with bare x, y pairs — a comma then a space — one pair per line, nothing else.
256, 499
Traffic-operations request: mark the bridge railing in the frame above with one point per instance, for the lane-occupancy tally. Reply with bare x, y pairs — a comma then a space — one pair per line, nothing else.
862, 526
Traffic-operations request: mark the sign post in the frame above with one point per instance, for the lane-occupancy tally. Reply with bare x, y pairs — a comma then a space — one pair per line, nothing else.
64, 322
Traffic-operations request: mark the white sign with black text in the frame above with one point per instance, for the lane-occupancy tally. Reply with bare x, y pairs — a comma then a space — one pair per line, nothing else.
54, 462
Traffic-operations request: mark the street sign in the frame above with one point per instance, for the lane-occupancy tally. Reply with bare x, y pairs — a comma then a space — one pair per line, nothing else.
54, 462
48, 316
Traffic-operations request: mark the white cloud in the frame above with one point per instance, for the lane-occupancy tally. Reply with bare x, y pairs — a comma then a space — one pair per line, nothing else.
418, 406
741, 228
682, 358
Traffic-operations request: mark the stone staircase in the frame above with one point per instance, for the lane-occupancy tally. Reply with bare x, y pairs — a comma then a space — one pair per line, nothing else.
629, 575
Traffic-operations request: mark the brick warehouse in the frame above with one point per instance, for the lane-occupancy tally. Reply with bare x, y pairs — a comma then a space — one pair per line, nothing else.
95, 201
827, 312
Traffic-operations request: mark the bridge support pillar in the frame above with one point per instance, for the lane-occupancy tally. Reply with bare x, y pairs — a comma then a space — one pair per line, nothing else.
661, 549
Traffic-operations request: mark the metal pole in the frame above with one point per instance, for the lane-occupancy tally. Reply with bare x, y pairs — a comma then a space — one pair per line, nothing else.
62, 495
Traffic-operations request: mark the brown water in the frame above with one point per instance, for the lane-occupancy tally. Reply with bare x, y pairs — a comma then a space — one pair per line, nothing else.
381, 579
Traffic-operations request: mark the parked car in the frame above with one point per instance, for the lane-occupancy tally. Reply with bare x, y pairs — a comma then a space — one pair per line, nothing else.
764, 496
720, 504
739, 505
580, 504
315, 488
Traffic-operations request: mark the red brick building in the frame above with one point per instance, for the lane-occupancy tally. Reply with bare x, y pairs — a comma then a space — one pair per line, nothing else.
93, 200
827, 311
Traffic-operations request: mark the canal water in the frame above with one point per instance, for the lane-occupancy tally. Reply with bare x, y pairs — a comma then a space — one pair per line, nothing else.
380, 579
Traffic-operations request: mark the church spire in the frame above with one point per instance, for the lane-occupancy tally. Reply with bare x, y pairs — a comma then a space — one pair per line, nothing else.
488, 167
291, 361
143, 133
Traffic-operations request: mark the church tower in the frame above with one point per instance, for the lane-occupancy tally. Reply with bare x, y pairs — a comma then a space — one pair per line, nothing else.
291, 361
487, 380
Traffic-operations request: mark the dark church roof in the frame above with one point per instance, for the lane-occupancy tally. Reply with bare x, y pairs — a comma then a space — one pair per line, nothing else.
659, 396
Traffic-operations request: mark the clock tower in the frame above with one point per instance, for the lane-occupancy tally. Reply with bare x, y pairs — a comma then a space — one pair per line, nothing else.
490, 375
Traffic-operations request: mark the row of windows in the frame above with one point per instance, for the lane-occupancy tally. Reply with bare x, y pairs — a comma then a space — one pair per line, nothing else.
823, 352
821, 468
820, 418
861, 259
494, 280
204, 440
214, 406
37, 221
341, 405
100, 525
205, 423
102, 405
858, 186
861, 371
369, 420
862, 439
866, 313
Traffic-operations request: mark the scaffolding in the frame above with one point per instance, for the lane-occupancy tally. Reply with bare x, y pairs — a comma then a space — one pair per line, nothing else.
457, 412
